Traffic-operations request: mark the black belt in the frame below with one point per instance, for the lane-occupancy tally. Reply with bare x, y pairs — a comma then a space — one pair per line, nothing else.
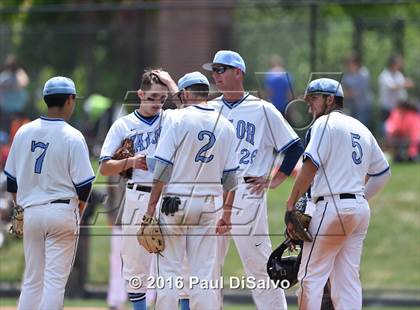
66, 201
139, 188
342, 196
247, 179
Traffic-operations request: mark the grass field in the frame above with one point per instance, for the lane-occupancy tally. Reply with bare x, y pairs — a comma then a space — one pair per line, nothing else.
391, 257
79, 304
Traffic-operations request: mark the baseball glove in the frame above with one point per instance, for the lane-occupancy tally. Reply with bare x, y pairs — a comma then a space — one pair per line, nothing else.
150, 236
125, 151
300, 222
170, 205
17, 222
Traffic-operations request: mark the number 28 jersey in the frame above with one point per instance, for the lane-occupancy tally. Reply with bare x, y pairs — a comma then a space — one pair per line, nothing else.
344, 151
261, 132
48, 160
199, 143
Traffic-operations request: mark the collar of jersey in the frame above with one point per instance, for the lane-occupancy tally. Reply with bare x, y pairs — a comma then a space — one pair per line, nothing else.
51, 119
203, 108
148, 122
234, 104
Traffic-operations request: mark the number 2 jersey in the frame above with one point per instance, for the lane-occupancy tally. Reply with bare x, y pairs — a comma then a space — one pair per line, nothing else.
48, 160
199, 144
261, 133
344, 151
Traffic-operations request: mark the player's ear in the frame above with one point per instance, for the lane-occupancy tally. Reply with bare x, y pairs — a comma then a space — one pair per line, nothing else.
140, 94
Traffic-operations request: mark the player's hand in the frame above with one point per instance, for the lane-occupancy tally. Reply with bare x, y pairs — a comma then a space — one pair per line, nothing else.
256, 185
139, 162
224, 225
166, 79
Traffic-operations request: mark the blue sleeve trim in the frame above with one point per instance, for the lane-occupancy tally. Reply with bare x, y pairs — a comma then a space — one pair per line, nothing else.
85, 182
104, 158
291, 157
229, 170
11, 185
83, 192
9, 175
380, 173
164, 160
289, 144
307, 155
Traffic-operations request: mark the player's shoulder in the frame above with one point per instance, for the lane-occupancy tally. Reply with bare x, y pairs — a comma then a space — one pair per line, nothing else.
72, 132
216, 103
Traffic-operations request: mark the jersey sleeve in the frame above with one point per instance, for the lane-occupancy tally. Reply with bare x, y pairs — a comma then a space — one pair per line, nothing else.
167, 145
280, 133
319, 145
232, 160
378, 163
112, 142
81, 171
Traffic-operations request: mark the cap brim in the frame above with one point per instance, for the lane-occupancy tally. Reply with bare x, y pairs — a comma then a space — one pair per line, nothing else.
208, 66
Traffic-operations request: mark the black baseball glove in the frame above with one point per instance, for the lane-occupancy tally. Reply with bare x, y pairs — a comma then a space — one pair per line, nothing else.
170, 205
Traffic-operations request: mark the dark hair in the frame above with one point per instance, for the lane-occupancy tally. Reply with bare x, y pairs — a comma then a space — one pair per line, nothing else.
199, 90
149, 78
393, 59
339, 101
57, 100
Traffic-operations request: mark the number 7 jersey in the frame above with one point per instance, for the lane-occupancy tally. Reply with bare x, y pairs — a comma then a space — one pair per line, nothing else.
48, 160
199, 143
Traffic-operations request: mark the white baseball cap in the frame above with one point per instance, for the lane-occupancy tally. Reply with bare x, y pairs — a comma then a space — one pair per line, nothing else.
325, 86
192, 78
59, 85
225, 57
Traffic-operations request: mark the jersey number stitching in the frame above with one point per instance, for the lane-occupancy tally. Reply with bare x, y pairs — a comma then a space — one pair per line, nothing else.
212, 139
39, 161
244, 159
357, 160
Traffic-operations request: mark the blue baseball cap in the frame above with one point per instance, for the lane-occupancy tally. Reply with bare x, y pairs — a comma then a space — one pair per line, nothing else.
192, 78
59, 85
325, 86
229, 58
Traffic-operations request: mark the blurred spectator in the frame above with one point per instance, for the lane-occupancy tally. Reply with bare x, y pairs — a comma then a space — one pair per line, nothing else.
403, 131
392, 86
13, 95
356, 84
278, 84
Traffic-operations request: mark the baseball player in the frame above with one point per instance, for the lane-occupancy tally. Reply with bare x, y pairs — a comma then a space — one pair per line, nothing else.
261, 134
340, 155
49, 173
193, 155
143, 126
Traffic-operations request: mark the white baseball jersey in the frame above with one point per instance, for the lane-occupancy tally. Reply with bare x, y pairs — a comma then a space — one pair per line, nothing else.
200, 145
48, 159
261, 132
332, 136
145, 134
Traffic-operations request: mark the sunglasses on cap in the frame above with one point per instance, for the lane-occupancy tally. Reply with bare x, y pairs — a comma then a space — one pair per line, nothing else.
221, 69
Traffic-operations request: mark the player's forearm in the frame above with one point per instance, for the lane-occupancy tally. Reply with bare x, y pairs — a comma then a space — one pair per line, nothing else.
375, 184
278, 178
154, 196
302, 183
228, 198
114, 167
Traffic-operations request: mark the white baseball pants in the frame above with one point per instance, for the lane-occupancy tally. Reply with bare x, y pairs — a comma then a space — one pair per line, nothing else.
49, 243
338, 227
251, 236
191, 232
